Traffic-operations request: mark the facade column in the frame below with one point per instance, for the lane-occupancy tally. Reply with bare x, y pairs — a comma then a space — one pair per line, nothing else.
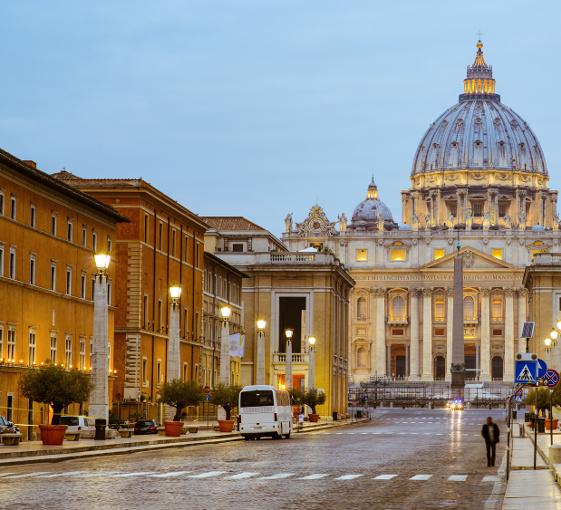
414, 340
485, 351
522, 314
99, 396
224, 376
449, 332
380, 344
427, 336
508, 374
371, 316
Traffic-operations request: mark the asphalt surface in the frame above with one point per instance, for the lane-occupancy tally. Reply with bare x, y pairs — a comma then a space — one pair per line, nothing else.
402, 459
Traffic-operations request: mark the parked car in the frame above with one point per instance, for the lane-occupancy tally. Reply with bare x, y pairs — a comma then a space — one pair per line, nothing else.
146, 427
78, 423
7, 427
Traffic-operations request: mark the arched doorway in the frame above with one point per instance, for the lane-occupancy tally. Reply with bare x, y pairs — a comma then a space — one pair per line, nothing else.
497, 368
439, 368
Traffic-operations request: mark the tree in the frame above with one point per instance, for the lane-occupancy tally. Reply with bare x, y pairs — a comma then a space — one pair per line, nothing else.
56, 386
543, 399
227, 397
180, 394
313, 397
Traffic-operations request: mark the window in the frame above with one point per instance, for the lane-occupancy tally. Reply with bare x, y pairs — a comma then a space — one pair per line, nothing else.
397, 331
69, 231
1, 343
439, 308
94, 242
11, 344
2, 204
503, 208
477, 208
497, 332
84, 236
498, 253
91, 350
145, 228
469, 308
497, 308
83, 277
145, 311
82, 353
439, 331
144, 372
158, 372
109, 244
53, 276
109, 294
237, 247
32, 218
438, 253
398, 311
53, 224
53, 348
159, 327
32, 347
68, 281
160, 235
12, 269
185, 370
13, 208
173, 243
1, 260
398, 254
68, 351
32, 269
93, 288
361, 255
185, 322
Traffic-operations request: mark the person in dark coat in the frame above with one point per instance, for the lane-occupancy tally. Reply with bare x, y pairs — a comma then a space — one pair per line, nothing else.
490, 433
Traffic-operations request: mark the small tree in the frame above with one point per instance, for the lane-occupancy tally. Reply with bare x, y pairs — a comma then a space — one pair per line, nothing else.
297, 396
314, 398
180, 394
542, 402
56, 386
227, 397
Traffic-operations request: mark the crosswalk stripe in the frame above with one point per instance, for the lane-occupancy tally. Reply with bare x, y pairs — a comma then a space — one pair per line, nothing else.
315, 476
457, 478
171, 474
420, 477
6, 474
384, 477
490, 478
136, 473
277, 476
66, 473
242, 476
208, 474
348, 477
94, 474
27, 475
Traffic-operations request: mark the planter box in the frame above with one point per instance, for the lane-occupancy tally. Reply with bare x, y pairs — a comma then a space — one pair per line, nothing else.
226, 425
193, 430
314, 418
52, 434
126, 432
173, 428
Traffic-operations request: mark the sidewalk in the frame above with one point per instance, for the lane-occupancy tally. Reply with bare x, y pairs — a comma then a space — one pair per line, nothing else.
529, 488
34, 451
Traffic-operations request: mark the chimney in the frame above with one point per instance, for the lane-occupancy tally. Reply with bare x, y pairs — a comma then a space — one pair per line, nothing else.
30, 163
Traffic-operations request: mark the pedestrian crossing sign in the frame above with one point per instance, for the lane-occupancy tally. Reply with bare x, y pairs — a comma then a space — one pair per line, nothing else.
525, 371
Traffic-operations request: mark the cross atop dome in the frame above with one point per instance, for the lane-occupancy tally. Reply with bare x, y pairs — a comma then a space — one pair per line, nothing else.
479, 80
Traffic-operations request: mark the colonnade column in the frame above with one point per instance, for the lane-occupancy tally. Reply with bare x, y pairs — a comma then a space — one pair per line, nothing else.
427, 336
372, 315
522, 311
449, 332
414, 342
485, 351
380, 332
508, 374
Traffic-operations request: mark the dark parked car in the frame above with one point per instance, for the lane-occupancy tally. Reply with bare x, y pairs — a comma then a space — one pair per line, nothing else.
7, 427
146, 427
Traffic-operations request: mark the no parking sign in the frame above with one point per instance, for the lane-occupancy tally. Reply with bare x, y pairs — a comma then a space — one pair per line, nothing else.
551, 378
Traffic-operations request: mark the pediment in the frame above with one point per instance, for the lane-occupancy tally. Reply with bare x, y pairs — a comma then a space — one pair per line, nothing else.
473, 259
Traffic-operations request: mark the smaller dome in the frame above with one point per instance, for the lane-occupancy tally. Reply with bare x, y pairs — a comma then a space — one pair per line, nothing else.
371, 211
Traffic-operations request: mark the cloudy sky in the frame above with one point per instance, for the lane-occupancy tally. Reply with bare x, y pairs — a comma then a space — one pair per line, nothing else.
262, 107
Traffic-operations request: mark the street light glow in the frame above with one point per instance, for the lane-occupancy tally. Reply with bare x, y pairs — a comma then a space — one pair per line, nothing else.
288, 332
312, 340
175, 292
102, 261
547, 341
261, 324
554, 334
225, 311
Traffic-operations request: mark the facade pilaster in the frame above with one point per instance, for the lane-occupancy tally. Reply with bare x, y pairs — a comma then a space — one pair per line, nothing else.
508, 374
522, 314
380, 339
414, 339
427, 335
485, 351
449, 331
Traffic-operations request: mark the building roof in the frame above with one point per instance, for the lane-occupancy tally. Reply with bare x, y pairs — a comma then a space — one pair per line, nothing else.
231, 223
224, 264
30, 170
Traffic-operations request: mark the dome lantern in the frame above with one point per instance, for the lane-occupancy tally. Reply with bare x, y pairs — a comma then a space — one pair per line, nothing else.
479, 81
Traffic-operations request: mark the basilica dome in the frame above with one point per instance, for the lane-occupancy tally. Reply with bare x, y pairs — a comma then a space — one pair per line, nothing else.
372, 213
479, 132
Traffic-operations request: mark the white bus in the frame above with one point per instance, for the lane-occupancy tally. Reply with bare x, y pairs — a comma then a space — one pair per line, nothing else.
264, 411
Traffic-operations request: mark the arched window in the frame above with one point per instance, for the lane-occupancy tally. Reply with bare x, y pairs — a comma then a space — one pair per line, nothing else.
469, 308
497, 368
497, 307
361, 308
439, 367
398, 311
439, 313
361, 357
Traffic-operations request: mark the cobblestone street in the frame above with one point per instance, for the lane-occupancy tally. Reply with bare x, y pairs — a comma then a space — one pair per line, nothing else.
413, 459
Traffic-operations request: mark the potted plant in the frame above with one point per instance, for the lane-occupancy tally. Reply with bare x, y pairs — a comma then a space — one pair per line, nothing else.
297, 396
227, 398
55, 386
313, 398
179, 395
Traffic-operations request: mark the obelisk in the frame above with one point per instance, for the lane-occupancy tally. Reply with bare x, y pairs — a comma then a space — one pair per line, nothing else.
457, 366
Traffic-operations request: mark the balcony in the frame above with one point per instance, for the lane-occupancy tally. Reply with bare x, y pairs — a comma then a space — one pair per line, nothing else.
298, 359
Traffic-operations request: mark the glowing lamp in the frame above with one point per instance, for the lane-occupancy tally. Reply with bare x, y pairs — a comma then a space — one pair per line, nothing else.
554, 334
547, 342
102, 261
312, 340
261, 324
225, 311
175, 292
288, 332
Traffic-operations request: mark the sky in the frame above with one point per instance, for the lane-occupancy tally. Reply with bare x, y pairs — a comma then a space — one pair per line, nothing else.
260, 108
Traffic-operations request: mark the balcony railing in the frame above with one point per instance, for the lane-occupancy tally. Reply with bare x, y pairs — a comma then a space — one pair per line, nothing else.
297, 357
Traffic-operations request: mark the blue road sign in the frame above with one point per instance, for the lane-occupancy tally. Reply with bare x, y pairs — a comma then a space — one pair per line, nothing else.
518, 395
541, 368
525, 371
551, 378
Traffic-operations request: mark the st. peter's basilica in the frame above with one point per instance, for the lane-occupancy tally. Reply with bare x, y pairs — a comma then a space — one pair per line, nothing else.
478, 174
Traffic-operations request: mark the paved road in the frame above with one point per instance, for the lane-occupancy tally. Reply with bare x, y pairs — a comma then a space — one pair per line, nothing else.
402, 459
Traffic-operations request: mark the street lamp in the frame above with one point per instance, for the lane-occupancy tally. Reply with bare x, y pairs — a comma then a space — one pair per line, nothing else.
225, 312
260, 369
311, 368
288, 333
173, 354
99, 397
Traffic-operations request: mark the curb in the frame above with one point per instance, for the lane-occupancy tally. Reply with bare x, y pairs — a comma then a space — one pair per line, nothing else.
103, 450
545, 458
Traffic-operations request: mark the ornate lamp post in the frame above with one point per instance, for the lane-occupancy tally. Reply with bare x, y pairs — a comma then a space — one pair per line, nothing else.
311, 368
288, 375
99, 397
173, 365
260, 369
224, 378
550, 343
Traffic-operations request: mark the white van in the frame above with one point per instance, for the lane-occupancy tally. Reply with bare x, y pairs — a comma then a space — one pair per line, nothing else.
264, 411
83, 424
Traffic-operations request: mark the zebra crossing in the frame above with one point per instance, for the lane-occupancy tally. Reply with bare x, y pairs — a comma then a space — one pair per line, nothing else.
394, 433
220, 475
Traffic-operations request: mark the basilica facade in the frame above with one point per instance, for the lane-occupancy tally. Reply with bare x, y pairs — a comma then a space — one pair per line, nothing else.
479, 183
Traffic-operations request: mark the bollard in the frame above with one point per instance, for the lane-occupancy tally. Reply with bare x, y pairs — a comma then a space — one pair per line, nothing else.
100, 425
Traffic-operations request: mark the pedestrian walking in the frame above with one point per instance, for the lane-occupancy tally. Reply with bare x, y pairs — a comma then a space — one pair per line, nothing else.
490, 433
